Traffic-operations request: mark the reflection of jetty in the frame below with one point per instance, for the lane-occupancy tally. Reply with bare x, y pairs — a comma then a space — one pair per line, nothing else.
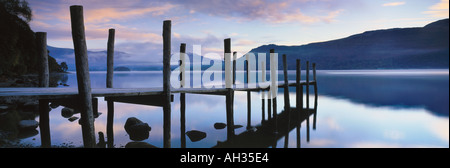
263, 135
83, 98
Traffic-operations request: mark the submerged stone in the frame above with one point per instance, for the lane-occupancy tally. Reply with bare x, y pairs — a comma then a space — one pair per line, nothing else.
136, 129
28, 124
220, 125
195, 135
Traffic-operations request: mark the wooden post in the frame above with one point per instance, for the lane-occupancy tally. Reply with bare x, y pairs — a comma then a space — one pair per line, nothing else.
299, 92
44, 123
83, 79
110, 59
307, 100
228, 66
183, 95
263, 74
41, 42
315, 96
274, 86
269, 105
167, 30
299, 100
230, 94
44, 119
109, 84
249, 99
287, 106
234, 67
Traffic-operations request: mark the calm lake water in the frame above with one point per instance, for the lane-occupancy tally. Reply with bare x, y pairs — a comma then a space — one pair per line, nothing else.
356, 108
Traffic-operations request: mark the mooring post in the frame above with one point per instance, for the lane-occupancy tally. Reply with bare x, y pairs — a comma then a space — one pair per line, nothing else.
110, 59
269, 105
299, 100
307, 101
41, 42
299, 92
83, 79
274, 86
263, 75
287, 106
183, 95
249, 99
234, 67
109, 84
167, 30
44, 120
228, 84
315, 96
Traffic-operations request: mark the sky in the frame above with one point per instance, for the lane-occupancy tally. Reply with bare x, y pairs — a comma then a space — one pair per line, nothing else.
249, 23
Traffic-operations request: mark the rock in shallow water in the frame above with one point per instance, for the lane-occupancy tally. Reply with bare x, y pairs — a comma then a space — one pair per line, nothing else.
28, 124
195, 135
220, 125
136, 129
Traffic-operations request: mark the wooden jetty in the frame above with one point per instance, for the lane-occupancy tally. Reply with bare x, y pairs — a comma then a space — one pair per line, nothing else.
84, 98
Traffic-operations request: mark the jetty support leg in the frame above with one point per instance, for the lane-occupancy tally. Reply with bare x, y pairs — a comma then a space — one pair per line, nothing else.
83, 79
109, 84
167, 29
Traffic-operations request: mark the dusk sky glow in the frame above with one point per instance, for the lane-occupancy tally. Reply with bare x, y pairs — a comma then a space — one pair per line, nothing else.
249, 23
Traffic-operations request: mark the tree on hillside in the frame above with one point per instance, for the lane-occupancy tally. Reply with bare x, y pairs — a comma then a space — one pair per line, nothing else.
18, 50
18, 8
17, 42
64, 66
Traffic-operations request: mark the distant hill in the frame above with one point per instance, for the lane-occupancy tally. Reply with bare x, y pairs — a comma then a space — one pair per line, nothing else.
122, 68
97, 59
399, 48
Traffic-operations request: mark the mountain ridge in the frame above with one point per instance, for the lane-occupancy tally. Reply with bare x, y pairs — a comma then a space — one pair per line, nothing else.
397, 48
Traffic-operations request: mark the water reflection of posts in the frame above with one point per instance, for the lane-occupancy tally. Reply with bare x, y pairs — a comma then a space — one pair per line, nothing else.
315, 96
287, 105
183, 95
263, 79
249, 101
109, 84
307, 100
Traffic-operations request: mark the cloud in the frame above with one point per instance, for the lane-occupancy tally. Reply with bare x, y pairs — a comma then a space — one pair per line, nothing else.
108, 14
439, 10
264, 10
442, 5
394, 3
245, 42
